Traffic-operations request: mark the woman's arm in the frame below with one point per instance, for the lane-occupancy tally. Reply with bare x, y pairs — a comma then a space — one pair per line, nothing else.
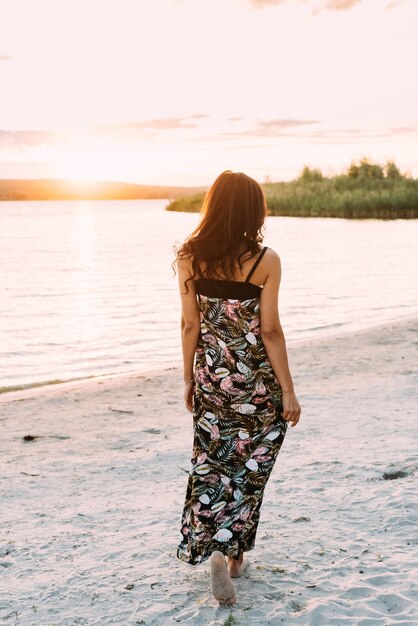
273, 337
190, 327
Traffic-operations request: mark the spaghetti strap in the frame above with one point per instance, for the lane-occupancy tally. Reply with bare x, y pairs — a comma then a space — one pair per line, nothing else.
260, 256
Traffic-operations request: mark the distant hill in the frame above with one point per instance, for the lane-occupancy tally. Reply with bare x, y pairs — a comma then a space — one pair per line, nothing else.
65, 189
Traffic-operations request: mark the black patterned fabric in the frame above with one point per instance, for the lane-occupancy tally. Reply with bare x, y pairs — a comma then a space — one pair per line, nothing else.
238, 429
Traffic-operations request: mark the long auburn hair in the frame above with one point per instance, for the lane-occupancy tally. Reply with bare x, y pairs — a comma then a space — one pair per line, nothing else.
230, 229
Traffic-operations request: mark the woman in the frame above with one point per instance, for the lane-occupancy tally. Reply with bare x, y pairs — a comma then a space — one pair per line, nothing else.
240, 391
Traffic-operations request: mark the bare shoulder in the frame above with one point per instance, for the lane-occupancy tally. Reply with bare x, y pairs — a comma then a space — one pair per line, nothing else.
272, 254
272, 261
184, 264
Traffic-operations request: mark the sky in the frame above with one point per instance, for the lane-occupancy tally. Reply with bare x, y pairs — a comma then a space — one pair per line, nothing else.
173, 92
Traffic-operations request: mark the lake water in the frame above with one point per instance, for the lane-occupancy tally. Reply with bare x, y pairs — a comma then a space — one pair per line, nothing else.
87, 287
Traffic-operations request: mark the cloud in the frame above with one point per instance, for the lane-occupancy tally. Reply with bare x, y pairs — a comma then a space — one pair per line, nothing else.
392, 4
340, 4
335, 5
164, 123
353, 135
197, 116
295, 130
270, 128
20, 139
148, 128
5, 57
167, 123
299, 131
402, 130
259, 4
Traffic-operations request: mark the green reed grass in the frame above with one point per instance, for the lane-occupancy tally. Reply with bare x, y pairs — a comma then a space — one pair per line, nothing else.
365, 190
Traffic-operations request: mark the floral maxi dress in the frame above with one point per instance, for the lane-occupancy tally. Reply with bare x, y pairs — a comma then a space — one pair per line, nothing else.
237, 423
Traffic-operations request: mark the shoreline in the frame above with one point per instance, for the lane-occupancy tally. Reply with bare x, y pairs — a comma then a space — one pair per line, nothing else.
38, 388
92, 499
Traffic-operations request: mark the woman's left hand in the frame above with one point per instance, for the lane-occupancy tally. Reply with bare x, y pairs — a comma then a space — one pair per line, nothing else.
188, 396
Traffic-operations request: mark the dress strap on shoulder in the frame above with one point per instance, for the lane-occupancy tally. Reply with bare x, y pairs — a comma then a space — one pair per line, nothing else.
252, 270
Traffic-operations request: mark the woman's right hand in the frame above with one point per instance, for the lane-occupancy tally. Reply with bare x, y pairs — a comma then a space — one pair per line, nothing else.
291, 407
188, 395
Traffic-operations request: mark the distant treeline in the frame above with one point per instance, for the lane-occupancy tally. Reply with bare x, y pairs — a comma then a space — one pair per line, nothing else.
62, 189
365, 190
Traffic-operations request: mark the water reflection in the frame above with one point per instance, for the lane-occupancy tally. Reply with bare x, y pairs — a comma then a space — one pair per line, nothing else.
88, 287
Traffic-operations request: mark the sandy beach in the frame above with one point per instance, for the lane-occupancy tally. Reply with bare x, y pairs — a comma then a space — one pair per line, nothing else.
90, 508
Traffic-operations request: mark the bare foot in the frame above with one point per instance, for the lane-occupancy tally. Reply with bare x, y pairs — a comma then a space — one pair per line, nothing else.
237, 567
222, 587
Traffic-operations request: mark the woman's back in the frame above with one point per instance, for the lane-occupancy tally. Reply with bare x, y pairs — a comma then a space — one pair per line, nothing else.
237, 422
249, 265
232, 366
239, 287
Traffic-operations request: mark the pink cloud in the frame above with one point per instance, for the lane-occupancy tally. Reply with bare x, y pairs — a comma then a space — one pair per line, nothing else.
335, 5
19, 139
